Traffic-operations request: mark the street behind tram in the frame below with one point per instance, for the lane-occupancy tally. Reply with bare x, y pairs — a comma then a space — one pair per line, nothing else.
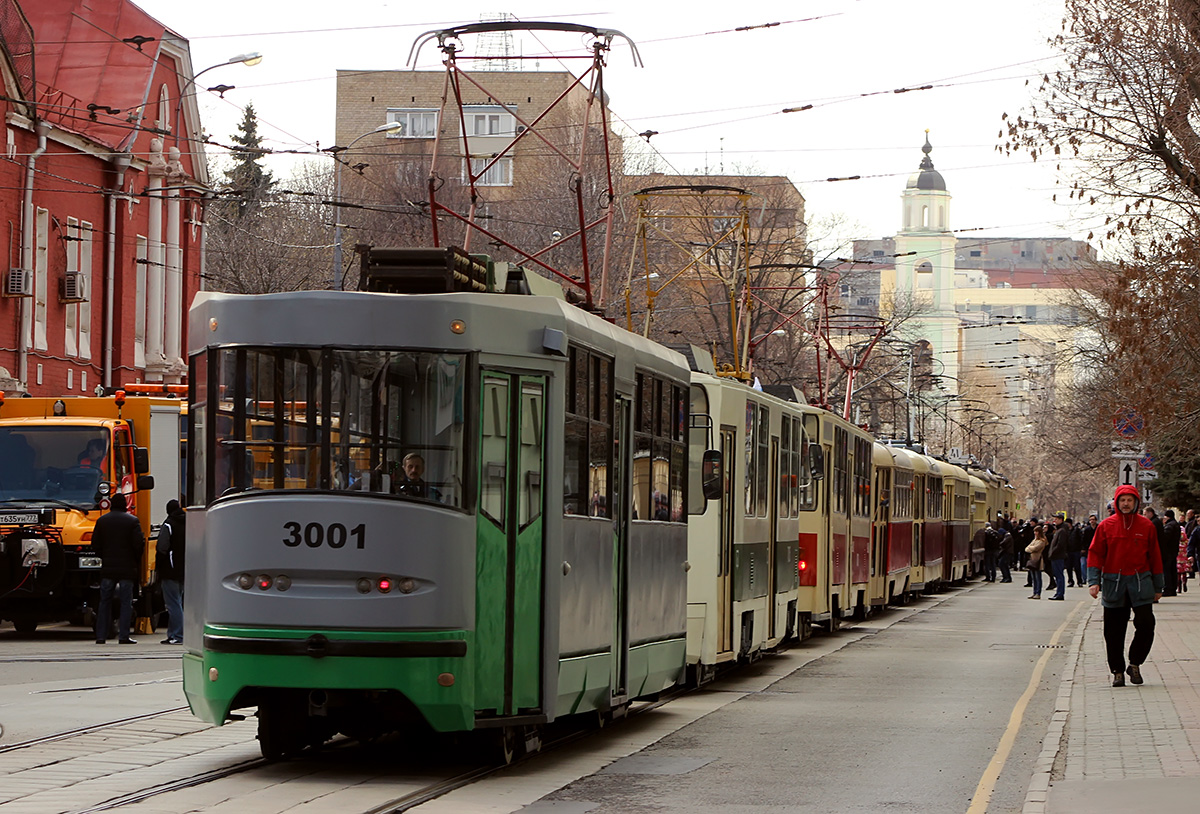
946, 705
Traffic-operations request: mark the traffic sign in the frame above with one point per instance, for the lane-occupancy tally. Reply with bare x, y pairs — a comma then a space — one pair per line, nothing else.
1128, 423
1146, 461
1127, 449
1127, 470
1147, 475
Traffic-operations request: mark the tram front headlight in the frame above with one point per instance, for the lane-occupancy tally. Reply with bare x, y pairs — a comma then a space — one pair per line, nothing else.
245, 582
282, 583
363, 585
407, 585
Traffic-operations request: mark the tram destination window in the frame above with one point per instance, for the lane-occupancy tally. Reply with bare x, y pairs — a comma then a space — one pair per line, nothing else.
330, 419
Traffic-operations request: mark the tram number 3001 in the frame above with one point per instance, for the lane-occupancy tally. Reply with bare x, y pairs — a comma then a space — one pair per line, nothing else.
315, 535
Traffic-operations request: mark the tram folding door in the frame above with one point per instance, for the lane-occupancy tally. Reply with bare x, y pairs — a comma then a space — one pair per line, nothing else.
509, 554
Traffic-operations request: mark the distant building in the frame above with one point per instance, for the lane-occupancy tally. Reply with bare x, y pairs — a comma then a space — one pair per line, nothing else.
993, 315
102, 188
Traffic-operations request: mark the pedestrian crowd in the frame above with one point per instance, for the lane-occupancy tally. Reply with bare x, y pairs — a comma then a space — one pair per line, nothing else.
1130, 560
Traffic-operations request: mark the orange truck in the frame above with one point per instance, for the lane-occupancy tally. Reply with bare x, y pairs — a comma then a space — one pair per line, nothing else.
60, 460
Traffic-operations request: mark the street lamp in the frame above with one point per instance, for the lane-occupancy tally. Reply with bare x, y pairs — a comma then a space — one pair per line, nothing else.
249, 59
390, 127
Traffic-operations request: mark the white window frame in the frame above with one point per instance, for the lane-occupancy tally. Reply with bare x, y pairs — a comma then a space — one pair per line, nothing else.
86, 272
498, 175
41, 282
419, 122
71, 310
490, 121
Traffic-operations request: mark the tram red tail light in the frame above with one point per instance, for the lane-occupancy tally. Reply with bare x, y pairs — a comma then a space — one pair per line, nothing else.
385, 585
265, 581
803, 566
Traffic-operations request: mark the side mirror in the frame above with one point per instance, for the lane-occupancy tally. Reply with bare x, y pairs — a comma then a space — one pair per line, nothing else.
816, 461
145, 483
141, 460
712, 474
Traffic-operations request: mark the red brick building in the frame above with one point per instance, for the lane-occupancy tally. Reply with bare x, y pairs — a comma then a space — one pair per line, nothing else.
101, 188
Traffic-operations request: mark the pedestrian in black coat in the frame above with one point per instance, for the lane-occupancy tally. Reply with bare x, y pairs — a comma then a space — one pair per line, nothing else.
118, 540
1168, 545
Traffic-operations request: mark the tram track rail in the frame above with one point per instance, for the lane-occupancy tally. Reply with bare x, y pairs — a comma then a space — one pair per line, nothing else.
87, 730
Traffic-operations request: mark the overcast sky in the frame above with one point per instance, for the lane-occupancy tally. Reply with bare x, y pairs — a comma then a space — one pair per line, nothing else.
714, 95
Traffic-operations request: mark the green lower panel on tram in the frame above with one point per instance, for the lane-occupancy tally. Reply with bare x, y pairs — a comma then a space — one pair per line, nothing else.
212, 681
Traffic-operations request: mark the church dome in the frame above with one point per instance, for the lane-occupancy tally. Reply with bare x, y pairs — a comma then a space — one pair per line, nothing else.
927, 178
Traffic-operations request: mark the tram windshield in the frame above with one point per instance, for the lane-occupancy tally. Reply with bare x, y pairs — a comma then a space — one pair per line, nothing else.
379, 421
63, 463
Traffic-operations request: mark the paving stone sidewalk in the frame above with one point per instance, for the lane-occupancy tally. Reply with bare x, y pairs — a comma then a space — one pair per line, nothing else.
1130, 748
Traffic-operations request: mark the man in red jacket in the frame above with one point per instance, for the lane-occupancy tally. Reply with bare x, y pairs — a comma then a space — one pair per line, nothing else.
1124, 557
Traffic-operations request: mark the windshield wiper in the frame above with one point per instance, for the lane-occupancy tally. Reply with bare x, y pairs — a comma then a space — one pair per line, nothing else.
69, 506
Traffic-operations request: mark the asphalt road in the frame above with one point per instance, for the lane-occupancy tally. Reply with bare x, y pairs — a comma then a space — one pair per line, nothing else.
905, 718
904, 712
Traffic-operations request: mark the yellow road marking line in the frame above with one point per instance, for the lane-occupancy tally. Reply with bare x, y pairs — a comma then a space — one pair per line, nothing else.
987, 783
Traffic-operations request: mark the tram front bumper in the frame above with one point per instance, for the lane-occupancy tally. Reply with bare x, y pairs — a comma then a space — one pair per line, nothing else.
429, 668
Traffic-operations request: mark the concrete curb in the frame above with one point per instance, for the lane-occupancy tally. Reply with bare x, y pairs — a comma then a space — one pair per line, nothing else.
1055, 740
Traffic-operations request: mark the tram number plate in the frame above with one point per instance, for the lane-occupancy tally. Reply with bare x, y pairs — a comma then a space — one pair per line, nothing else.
315, 535
19, 519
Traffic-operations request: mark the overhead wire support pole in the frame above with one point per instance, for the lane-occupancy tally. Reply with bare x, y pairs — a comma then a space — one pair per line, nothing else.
497, 158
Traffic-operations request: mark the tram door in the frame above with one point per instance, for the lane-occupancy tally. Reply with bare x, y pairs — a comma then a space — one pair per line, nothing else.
725, 560
622, 515
509, 599
773, 535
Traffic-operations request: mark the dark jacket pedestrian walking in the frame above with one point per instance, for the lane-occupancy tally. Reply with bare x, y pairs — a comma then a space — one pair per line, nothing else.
1168, 546
1126, 560
118, 540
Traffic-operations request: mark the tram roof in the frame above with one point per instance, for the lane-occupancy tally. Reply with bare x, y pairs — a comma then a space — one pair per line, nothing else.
495, 323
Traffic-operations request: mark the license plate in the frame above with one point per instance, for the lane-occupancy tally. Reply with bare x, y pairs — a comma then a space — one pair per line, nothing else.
24, 519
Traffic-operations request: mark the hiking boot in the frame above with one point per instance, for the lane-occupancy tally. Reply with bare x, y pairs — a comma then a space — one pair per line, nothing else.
1118, 679
1135, 673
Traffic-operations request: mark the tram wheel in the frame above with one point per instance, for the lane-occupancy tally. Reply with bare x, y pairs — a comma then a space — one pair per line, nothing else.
25, 624
506, 744
281, 731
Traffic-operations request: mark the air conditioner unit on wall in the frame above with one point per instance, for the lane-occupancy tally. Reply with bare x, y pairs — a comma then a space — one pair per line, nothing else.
72, 288
18, 283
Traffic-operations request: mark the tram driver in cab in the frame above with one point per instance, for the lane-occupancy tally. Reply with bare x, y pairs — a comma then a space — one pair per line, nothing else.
407, 479
412, 482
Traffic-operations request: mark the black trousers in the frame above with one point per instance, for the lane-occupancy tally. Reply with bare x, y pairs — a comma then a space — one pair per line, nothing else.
1116, 621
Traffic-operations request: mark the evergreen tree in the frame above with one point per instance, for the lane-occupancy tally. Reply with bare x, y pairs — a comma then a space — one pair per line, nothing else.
247, 178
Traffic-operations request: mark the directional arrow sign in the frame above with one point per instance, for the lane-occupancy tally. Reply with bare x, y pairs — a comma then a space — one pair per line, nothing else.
1127, 472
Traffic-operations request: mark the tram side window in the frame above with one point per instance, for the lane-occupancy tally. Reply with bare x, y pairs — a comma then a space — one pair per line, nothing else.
763, 436
198, 430
962, 506
807, 495
659, 457
862, 477
902, 494
588, 434
786, 476
841, 477
935, 499
751, 455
